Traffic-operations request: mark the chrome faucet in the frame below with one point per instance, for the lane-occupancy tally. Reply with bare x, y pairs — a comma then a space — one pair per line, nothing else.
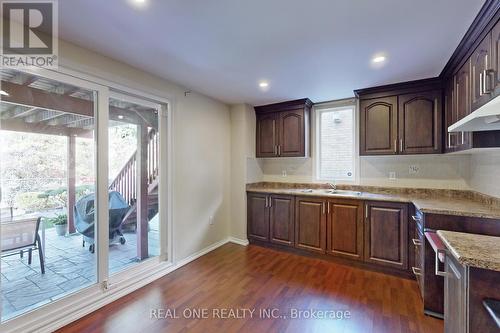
333, 186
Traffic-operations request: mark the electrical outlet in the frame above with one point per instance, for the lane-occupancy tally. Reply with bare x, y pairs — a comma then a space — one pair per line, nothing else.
211, 220
413, 169
283, 173
392, 175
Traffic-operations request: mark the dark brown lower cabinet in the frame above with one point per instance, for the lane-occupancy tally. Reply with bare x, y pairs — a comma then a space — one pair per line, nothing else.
336, 227
310, 224
455, 315
282, 219
386, 234
467, 291
344, 237
257, 217
271, 218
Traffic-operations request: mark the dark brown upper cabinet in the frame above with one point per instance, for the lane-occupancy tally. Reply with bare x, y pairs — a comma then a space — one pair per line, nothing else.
420, 123
462, 103
267, 135
462, 81
495, 59
451, 139
386, 234
283, 129
378, 126
402, 118
481, 73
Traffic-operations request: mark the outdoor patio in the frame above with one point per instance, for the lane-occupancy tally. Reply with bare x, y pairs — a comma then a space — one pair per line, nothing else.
68, 267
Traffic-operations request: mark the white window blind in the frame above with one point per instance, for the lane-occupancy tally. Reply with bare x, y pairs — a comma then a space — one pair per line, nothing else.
335, 144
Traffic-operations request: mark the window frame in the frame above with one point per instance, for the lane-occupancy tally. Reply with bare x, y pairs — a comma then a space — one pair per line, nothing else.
329, 107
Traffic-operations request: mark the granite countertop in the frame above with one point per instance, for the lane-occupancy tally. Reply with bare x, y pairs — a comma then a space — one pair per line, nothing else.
446, 202
473, 250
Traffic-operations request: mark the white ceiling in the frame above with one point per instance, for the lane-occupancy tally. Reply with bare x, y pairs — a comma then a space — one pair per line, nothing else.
319, 49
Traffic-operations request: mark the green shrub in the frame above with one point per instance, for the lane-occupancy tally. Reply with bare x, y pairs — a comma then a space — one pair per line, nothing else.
58, 220
31, 201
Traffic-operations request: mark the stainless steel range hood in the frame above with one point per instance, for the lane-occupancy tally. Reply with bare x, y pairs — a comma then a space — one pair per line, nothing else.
486, 118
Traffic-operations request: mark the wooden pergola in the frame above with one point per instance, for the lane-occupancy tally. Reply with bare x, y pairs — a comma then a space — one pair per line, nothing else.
37, 105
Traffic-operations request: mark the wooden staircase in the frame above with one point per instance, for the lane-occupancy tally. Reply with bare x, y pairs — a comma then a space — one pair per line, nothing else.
126, 181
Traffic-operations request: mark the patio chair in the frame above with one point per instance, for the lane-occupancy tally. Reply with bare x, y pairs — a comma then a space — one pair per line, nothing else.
21, 235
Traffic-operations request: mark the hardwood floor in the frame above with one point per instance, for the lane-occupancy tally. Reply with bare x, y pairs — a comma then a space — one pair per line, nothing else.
237, 277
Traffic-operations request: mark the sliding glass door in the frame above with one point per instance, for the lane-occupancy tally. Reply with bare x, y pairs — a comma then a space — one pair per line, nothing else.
47, 169
83, 187
134, 178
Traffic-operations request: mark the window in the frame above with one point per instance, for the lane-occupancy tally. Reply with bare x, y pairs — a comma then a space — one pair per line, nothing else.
336, 143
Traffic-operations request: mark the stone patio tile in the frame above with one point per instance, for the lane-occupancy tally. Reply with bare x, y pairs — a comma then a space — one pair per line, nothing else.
15, 273
69, 267
75, 284
41, 280
28, 296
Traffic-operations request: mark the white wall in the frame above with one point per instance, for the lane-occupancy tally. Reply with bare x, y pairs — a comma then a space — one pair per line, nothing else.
435, 171
485, 173
201, 153
244, 165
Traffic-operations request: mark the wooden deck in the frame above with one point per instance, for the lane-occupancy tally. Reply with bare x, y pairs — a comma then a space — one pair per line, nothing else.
255, 278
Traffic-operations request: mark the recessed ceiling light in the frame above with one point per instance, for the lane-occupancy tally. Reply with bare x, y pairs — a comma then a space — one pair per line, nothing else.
378, 59
4, 93
138, 3
263, 84
120, 116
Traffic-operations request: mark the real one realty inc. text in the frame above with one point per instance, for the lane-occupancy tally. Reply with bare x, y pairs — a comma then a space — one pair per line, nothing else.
247, 313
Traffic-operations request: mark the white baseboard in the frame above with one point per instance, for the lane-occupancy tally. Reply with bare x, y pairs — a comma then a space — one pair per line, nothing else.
66, 310
238, 241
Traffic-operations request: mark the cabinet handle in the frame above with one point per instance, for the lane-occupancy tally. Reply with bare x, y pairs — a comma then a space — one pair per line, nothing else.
266, 204
395, 145
328, 207
270, 202
401, 145
463, 137
438, 272
416, 218
279, 150
366, 212
416, 271
275, 149
487, 84
416, 242
323, 208
449, 140
481, 84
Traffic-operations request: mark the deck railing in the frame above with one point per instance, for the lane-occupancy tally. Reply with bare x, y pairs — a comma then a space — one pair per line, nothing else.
126, 180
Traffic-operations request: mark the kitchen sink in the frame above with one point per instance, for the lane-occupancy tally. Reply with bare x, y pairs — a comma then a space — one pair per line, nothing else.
342, 192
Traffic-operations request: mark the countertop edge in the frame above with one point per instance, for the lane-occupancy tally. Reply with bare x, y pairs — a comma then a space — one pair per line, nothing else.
386, 197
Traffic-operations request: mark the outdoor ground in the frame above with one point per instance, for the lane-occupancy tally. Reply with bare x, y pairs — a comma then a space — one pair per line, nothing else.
68, 267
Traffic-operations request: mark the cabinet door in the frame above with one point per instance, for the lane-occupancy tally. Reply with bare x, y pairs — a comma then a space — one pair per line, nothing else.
450, 116
386, 234
455, 315
345, 229
379, 126
420, 123
310, 224
257, 217
281, 219
495, 61
462, 105
291, 133
480, 74
267, 135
